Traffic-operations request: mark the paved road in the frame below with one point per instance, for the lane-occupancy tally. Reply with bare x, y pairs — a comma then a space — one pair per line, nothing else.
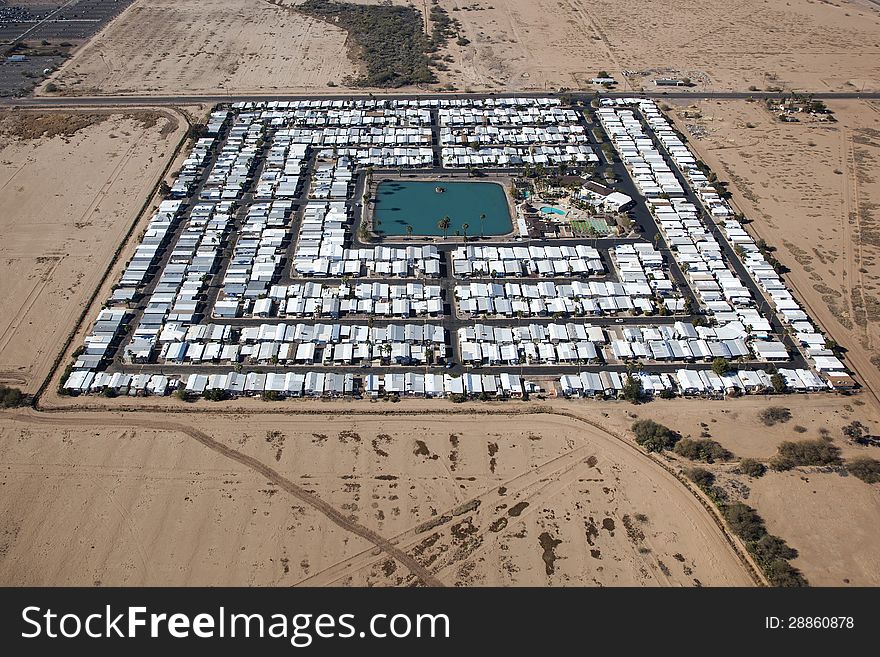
100, 101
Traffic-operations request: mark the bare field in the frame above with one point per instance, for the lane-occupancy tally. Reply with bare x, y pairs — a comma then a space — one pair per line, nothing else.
168, 47
481, 500
547, 44
70, 187
811, 189
534, 499
829, 518
174, 47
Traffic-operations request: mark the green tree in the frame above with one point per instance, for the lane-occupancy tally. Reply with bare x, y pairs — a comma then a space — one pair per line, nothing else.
778, 383
632, 389
464, 228
409, 231
654, 436
443, 225
702, 450
721, 366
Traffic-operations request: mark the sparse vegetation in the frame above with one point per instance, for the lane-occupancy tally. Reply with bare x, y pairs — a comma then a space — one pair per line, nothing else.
701, 477
752, 468
183, 395
654, 436
705, 450
858, 433
805, 452
11, 397
215, 394
864, 468
770, 552
774, 415
390, 39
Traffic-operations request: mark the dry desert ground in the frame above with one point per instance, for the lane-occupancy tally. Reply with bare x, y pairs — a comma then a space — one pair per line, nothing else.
71, 186
531, 499
811, 189
218, 47
552, 493
212, 47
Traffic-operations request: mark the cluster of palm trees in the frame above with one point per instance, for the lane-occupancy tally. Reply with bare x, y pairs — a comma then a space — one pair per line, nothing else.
446, 222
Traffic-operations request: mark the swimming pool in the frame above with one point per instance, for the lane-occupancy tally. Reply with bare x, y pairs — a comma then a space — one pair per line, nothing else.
422, 205
548, 210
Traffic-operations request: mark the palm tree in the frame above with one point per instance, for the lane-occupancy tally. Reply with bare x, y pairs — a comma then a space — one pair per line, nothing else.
482, 219
464, 228
443, 225
409, 231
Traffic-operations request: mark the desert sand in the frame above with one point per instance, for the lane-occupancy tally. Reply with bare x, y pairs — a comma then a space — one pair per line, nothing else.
174, 47
811, 190
533, 499
71, 185
221, 47
249, 493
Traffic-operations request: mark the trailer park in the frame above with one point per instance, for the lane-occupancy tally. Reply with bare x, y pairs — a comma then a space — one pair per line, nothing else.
265, 271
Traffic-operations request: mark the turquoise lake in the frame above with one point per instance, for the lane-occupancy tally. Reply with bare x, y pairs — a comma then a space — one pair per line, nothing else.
418, 204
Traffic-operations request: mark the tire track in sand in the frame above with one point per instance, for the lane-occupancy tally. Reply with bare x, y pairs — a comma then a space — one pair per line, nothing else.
257, 466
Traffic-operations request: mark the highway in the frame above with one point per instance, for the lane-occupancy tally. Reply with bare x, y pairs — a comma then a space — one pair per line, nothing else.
583, 95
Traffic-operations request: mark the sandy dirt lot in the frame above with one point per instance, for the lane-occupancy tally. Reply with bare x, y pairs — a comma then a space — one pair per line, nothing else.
547, 44
70, 187
244, 46
830, 518
245, 495
535, 499
835, 529
812, 191
176, 47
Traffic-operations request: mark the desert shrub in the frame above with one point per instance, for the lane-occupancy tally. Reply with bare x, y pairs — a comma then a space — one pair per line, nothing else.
390, 39
215, 394
770, 552
752, 468
865, 468
10, 397
781, 573
653, 436
769, 548
744, 521
184, 395
805, 452
774, 415
701, 477
270, 395
799, 429
857, 432
702, 450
